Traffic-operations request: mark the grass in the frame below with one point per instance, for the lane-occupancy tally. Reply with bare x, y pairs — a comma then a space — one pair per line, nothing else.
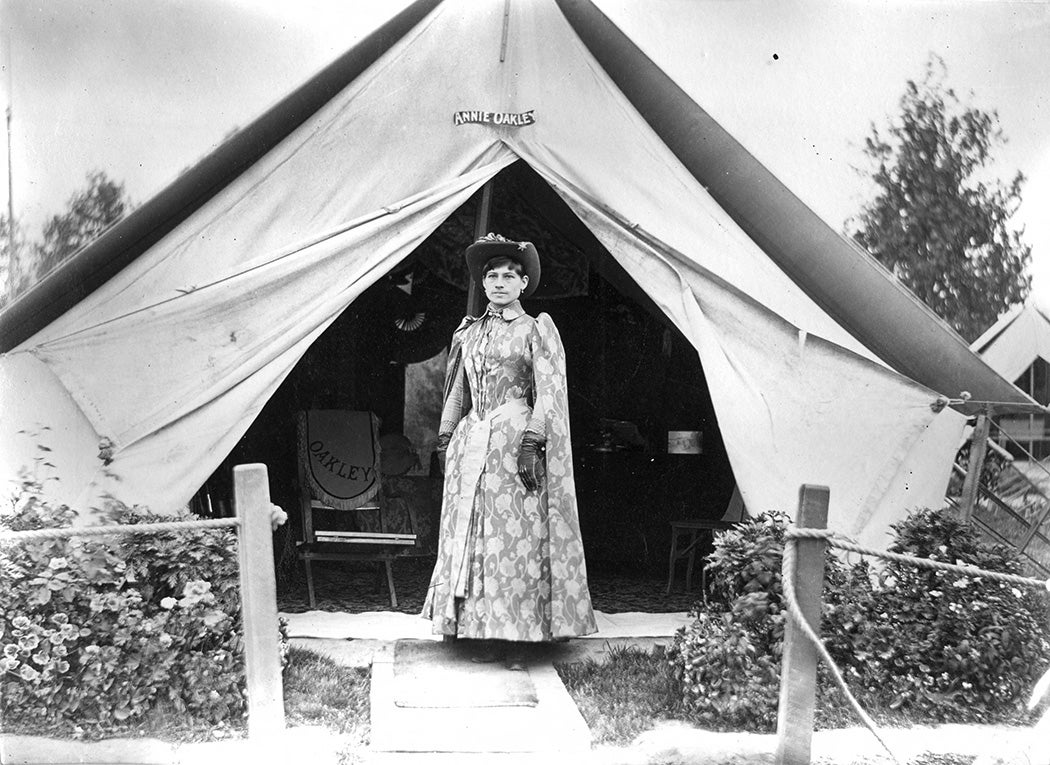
621, 696
317, 691
632, 690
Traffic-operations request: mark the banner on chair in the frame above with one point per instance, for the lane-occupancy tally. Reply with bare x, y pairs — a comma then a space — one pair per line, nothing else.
340, 453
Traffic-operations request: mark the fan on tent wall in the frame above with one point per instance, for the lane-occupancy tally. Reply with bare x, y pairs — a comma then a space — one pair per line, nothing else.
419, 319
407, 315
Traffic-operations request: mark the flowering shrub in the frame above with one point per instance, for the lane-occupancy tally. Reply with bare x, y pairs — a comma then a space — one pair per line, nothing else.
941, 644
936, 645
100, 633
727, 673
727, 661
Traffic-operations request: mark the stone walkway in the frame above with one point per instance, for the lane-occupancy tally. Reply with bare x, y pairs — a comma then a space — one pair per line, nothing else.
552, 731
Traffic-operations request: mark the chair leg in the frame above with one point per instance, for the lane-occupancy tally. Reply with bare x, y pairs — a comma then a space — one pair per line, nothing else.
390, 583
674, 557
310, 582
689, 564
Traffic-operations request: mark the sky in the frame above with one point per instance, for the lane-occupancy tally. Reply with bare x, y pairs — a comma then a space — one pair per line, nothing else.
141, 90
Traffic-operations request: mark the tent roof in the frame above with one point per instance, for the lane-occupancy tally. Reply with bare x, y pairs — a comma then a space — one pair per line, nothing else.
74, 279
1015, 341
840, 278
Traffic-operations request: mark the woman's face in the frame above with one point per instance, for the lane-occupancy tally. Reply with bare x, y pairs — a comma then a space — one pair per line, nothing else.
503, 285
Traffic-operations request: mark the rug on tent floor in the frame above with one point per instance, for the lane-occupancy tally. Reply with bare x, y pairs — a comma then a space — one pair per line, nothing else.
442, 675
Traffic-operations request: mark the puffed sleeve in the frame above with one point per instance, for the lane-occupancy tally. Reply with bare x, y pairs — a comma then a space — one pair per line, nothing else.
550, 413
457, 394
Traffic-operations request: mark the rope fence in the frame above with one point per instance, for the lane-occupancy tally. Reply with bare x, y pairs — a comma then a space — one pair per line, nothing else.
255, 521
834, 539
101, 531
795, 717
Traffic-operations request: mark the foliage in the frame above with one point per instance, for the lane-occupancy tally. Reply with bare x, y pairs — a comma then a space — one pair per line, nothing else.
89, 212
937, 220
728, 673
101, 633
728, 660
943, 645
13, 270
935, 646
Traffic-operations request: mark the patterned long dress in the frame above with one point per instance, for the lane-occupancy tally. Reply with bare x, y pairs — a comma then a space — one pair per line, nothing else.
510, 562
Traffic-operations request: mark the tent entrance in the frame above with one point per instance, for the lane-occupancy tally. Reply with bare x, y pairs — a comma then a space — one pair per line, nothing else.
633, 380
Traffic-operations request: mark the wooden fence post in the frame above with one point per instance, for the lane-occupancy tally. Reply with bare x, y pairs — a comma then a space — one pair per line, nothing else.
798, 673
972, 482
262, 655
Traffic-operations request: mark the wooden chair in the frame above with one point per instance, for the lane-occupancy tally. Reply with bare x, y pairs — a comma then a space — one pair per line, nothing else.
690, 532
340, 470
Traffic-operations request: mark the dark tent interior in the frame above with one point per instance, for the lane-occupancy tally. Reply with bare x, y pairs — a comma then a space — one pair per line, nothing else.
632, 378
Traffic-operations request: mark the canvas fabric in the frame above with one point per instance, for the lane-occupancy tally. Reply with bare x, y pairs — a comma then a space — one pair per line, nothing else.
173, 358
1014, 342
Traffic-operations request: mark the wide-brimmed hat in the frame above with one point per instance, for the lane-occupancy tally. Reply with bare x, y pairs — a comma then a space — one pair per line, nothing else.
494, 245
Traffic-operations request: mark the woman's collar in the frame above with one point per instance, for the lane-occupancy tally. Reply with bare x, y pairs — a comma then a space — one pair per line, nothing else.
509, 312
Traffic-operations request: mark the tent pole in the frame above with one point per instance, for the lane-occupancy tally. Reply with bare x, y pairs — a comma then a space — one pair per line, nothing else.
475, 299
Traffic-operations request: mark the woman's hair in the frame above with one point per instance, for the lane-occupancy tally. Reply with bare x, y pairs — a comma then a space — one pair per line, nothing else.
499, 262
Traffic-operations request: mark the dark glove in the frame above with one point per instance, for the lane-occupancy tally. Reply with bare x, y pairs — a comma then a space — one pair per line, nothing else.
532, 467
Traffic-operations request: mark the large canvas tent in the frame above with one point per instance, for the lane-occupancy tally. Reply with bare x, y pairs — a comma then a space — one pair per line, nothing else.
158, 345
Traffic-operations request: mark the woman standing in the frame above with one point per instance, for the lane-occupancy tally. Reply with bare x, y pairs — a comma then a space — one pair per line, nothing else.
510, 563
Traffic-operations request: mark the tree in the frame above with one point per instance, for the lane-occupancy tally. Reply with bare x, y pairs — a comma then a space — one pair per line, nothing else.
88, 213
939, 220
14, 274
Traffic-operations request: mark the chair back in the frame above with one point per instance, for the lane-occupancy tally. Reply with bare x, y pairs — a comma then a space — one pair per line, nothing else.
339, 456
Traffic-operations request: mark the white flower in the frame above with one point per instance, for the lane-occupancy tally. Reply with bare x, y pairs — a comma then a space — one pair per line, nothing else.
196, 588
168, 602
961, 583
1016, 592
935, 593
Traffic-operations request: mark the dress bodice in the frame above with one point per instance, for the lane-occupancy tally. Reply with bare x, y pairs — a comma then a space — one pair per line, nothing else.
498, 361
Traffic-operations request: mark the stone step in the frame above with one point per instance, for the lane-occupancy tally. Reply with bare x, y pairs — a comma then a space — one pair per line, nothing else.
551, 731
